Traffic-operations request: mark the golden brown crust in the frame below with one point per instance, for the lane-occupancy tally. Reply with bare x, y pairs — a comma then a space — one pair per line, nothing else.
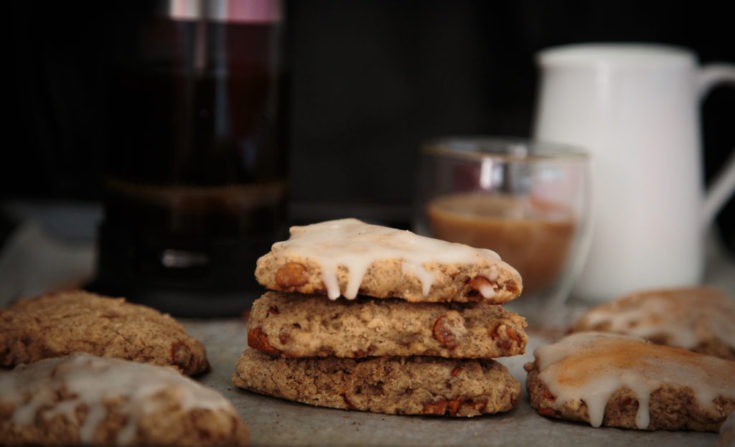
58, 324
392, 385
727, 432
49, 410
293, 325
698, 318
386, 279
670, 407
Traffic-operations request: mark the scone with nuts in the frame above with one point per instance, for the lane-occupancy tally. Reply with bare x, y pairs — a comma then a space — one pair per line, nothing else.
291, 325
58, 324
698, 318
366, 317
82, 399
348, 257
623, 381
428, 386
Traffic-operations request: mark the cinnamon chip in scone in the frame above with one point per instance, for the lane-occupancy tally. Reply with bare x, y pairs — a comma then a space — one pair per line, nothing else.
293, 325
426, 386
58, 324
698, 318
348, 257
628, 382
87, 400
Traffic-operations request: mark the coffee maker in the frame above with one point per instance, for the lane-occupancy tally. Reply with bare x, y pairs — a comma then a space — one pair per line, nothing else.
195, 183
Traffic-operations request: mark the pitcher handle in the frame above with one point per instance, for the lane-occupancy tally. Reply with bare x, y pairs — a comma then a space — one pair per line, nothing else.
724, 184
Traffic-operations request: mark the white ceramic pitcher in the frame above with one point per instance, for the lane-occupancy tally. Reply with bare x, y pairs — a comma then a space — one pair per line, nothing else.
635, 108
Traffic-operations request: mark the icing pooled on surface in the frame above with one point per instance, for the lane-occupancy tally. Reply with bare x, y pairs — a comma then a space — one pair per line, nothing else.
91, 381
591, 366
355, 245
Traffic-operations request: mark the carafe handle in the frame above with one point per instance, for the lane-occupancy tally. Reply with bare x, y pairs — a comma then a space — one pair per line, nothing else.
724, 184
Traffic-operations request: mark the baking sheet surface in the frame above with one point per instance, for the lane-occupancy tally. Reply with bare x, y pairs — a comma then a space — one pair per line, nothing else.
275, 422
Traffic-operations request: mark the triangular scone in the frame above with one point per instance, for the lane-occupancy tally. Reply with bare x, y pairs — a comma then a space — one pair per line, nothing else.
426, 386
292, 325
348, 257
87, 400
623, 381
698, 318
57, 324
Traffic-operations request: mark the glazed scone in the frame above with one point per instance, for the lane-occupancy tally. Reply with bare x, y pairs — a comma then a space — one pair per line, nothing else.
293, 325
391, 385
628, 382
348, 258
83, 399
58, 324
700, 319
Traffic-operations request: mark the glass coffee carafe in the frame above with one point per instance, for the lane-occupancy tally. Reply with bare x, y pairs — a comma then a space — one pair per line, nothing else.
195, 187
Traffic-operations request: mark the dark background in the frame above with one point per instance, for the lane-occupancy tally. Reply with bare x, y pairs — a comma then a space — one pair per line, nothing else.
368, 80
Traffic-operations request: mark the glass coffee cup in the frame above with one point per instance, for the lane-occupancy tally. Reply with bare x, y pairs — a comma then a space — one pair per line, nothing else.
527, 201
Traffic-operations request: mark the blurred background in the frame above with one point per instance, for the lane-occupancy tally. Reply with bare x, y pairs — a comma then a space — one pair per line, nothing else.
365, 81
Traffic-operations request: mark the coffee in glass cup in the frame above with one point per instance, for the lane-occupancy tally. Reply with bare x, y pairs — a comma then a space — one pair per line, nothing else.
525, 200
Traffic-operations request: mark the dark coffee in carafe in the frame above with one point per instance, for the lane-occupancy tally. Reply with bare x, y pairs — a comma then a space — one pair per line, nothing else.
196, 185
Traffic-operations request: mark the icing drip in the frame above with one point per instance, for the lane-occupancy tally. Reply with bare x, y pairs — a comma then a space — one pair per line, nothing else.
355, 245
591, 366
91, 381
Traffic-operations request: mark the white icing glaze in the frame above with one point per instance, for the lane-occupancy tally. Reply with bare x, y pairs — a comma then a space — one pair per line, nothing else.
590, 366
355, 245
90, 381
676, 314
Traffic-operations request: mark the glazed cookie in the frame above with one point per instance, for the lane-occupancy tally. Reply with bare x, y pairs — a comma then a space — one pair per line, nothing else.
58, 324
622, 381
700, 319
292, 325
83, 399
348, 257
391, 385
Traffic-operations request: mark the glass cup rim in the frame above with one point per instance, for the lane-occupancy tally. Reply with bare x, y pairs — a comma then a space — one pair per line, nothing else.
504, 148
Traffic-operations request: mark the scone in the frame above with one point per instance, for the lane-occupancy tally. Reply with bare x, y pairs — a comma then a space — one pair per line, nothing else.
416, 334
700, 319
292, 325
391, 385
84, 399
348, 258
727, 432
58, 324
623, 381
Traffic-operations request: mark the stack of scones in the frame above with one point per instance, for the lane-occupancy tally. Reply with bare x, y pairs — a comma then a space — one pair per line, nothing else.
371, 318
